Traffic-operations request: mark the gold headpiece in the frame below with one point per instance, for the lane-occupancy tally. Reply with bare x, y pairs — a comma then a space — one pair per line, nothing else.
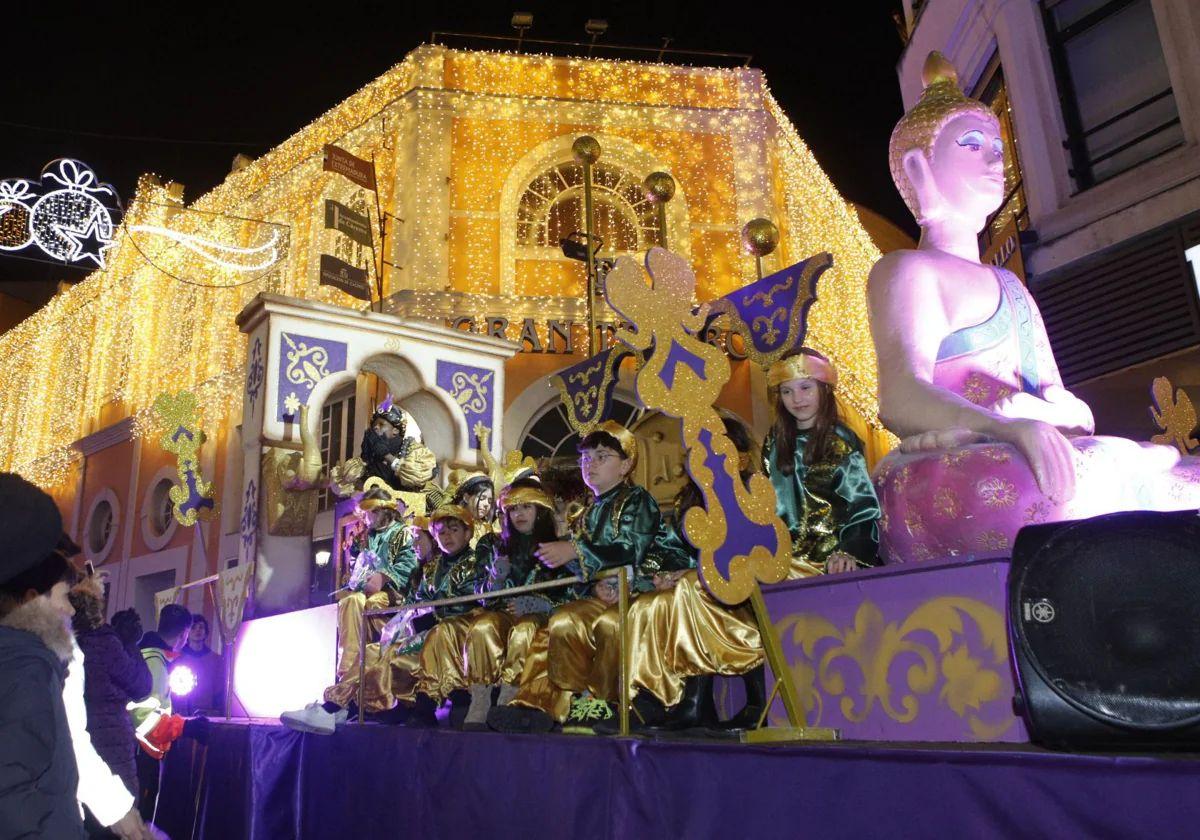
624, 437
452, 512
420, 523
525, 496
413, 503
801, 366
941, 102
507, 470
461, 477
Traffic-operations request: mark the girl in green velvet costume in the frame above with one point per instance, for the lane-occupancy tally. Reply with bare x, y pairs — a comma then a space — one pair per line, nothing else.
822, 489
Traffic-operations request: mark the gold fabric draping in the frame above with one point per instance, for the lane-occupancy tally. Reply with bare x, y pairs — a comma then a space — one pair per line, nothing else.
520, 638
681, 632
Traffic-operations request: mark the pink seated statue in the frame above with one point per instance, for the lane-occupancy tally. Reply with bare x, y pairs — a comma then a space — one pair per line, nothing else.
991, 440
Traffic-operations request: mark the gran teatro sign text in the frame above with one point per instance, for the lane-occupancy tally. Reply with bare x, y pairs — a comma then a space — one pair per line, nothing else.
563, 336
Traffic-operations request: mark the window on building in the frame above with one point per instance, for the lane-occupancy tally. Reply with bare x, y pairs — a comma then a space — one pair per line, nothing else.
551, 436
337, 434
1117, 102
551, 208
999, 239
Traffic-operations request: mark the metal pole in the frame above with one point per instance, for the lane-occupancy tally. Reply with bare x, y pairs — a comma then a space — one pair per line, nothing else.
362, 664
659, 189
377, 259
623, 637
587, 152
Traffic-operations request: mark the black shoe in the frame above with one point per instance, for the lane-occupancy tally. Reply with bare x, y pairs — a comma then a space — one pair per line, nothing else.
395, 716
423, 713
696, 709
756, 697
519, 720
460, 704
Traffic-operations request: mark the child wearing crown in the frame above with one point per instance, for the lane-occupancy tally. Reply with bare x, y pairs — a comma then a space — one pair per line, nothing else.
621, 527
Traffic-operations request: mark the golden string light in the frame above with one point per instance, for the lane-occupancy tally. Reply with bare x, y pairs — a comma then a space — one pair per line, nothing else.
448, 131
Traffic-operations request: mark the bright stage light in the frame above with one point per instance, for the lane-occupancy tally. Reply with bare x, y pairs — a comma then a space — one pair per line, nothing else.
181, 681
285, 661
321, 558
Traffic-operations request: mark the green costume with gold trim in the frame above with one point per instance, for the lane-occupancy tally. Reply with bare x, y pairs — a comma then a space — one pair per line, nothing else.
829, 505
622, 526
451, 576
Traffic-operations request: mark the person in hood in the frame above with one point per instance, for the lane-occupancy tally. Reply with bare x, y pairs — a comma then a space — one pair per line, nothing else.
38, 776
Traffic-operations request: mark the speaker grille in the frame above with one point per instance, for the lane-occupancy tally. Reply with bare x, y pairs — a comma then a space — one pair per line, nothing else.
1111, 618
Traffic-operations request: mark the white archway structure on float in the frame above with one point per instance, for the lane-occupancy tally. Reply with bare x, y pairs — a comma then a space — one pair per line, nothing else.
299, 352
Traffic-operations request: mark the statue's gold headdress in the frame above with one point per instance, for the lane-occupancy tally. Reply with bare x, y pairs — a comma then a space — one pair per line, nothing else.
941, 102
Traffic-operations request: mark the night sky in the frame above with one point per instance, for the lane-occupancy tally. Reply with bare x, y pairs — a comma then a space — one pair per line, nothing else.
242, 79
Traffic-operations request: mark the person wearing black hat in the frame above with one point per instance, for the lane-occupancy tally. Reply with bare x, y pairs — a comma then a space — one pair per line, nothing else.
403, 462
38, 777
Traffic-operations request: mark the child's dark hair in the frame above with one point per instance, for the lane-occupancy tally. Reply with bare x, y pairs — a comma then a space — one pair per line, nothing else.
820, 436
173, 620
544, 526
600, 438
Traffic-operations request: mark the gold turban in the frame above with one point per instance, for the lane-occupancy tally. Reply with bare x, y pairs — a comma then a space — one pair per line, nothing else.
802, 366
624, 437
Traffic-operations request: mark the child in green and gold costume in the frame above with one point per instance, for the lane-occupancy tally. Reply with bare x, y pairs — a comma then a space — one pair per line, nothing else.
455, 571
499, 639
823, 491
621, 527
385, 568
825, 497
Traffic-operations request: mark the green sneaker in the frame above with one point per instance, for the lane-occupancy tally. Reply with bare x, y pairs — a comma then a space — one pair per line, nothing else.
587, 713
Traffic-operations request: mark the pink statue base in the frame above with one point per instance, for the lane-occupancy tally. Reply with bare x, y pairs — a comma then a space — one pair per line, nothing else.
971, 502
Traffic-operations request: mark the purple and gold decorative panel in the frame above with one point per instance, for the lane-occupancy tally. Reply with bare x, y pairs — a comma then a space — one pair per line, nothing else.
303, 362
901, 654
473, 389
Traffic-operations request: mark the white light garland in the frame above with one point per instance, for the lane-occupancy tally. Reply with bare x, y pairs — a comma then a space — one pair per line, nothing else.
202, 247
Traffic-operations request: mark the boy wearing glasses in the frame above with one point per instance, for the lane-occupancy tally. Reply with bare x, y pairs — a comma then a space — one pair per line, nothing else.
621, 527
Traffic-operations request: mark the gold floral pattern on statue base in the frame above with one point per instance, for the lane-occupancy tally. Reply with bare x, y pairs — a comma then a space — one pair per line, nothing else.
895, 668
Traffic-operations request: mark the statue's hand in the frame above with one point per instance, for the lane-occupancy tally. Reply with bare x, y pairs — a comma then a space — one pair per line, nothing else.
937, 440
1047, 451
1060, 408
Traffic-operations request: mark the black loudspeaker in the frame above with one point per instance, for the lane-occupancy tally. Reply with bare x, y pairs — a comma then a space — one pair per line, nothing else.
1104, 619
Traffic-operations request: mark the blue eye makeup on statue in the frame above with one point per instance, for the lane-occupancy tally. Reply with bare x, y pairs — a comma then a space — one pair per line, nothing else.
998, 146
972, 139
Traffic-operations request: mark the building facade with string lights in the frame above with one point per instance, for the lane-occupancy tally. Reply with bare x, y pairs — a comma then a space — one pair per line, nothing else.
476, 184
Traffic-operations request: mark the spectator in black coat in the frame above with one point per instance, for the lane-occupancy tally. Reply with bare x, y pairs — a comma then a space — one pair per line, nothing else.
38, 778
114, 673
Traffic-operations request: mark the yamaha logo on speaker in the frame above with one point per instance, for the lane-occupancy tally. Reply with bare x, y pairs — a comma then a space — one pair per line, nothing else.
1042, 611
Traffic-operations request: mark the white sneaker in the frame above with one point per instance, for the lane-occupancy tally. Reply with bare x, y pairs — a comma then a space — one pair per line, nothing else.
313, 718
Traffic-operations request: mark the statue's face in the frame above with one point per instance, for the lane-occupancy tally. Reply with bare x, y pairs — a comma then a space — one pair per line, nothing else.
967, 168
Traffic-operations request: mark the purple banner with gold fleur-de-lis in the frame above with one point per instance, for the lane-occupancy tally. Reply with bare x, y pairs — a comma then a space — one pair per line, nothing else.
586, 388
771, 315
473, 389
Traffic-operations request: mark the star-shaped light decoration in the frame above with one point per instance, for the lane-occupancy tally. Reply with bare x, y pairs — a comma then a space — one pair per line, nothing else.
291, 405
88, 241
